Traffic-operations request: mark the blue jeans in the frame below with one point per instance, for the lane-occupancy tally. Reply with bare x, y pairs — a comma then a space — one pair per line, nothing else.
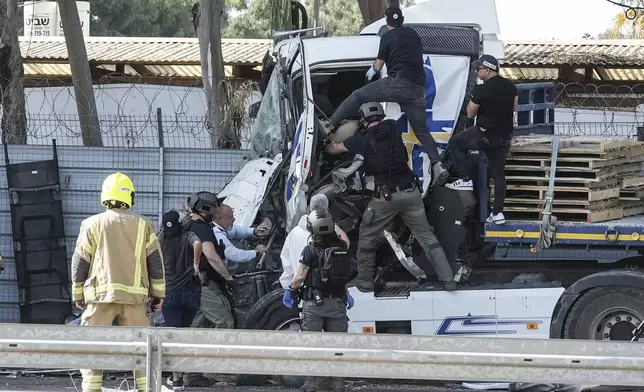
180, 307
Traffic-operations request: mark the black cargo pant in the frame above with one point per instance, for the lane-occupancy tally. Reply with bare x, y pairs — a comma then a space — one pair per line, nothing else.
411, 98
496, 150
408, 204
331, 316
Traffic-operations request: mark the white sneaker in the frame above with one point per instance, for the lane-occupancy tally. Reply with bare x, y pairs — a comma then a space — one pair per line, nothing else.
461, 185
497, 219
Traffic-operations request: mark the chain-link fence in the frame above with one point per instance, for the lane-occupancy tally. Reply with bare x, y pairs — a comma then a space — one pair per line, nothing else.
133, 112
160, 136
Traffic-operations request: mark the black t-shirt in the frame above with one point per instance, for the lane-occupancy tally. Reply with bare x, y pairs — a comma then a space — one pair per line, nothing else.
178, 255
401, 174
204, 232
402, 50
496, 110
311, 258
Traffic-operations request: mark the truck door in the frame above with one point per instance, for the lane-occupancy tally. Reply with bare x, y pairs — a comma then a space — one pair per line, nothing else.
448, 54
301, 150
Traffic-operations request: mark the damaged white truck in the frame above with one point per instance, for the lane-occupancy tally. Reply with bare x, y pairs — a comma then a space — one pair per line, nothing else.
512, 291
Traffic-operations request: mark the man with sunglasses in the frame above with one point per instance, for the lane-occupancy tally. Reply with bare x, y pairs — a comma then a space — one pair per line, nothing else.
493, 103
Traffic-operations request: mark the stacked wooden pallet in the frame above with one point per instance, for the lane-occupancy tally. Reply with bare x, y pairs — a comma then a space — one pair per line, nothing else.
590, 174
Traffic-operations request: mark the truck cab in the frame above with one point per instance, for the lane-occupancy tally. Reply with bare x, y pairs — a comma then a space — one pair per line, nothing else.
513, 290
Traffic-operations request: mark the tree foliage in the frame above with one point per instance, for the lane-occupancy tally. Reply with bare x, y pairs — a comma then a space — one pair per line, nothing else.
142, 18
629, 23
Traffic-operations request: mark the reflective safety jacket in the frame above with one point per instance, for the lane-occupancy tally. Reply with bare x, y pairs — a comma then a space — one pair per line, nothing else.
117, 260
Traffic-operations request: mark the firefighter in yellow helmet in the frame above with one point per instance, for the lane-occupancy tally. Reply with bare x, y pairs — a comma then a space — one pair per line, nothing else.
117, 266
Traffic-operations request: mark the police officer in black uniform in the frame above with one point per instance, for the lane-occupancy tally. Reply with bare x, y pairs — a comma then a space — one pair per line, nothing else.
493, 103
215, 310
396, 193
321, 281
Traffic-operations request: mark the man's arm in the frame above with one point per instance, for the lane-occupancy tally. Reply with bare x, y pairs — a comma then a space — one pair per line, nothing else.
238, 232
343, 236
302, 271
335, 148
516, 103
475, 101
81, 262
214, 260
383, 54
303, 267
196, 249
154, 260
233, 253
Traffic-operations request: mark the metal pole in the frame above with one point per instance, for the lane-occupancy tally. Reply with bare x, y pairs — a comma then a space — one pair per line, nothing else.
161, 160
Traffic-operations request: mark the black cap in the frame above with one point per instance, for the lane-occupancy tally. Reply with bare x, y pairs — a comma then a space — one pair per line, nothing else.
394, 16
170, 222
487, 61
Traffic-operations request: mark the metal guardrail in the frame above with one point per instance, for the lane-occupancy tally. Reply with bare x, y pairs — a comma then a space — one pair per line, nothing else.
331, 354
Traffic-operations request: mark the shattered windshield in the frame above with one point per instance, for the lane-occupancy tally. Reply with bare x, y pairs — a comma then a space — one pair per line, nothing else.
266, 131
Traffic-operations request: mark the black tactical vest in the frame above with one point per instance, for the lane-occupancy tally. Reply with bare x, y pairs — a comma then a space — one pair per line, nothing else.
387, 157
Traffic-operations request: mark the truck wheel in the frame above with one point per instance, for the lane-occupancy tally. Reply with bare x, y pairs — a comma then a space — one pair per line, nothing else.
605, 313
269, 313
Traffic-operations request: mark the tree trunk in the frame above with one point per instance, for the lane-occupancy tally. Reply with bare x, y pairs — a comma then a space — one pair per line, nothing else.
214, 77
372, 10
228, 137
81, 75
14, 117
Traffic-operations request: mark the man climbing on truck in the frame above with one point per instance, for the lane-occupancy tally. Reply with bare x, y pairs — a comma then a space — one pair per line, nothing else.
396, 193
493, 104
402, 50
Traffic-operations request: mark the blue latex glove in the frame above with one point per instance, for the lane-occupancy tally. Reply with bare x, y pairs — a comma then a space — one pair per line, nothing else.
350, 301
371, 73
287, 300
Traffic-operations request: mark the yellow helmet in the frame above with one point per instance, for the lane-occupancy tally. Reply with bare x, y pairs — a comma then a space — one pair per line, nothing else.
117, 187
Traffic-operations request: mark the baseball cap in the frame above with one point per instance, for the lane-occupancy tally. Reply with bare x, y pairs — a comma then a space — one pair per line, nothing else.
487, 61
394, 16
170, 222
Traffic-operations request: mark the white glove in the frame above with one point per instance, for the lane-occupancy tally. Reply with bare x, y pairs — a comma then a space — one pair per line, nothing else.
371, 73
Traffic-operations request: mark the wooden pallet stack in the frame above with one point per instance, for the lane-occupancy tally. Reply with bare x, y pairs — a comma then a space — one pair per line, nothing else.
590, 175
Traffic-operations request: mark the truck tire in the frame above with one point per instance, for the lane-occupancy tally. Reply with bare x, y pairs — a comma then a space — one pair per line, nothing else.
605, 313
269, 313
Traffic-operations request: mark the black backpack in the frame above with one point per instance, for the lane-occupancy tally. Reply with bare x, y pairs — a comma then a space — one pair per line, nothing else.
335, 265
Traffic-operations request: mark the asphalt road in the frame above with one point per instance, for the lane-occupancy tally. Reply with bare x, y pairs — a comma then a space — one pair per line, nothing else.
34, 382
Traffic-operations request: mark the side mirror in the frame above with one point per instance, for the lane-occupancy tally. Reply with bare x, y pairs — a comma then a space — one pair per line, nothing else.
253, 109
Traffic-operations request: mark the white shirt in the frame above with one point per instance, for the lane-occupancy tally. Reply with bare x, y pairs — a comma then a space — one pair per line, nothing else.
296, 240
232, 252
294, 244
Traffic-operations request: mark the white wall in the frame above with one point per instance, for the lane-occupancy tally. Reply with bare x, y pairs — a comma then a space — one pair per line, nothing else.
128, 115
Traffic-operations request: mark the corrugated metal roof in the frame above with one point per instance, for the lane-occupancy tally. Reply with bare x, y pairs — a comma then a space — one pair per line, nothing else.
137, 50
622, 52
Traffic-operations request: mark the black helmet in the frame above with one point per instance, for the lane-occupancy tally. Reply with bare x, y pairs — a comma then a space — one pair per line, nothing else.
371, 111
204, 201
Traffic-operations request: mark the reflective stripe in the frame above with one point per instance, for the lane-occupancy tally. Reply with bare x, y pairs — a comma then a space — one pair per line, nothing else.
158, 286
104, 288
151, 241
140, 235
77, 289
